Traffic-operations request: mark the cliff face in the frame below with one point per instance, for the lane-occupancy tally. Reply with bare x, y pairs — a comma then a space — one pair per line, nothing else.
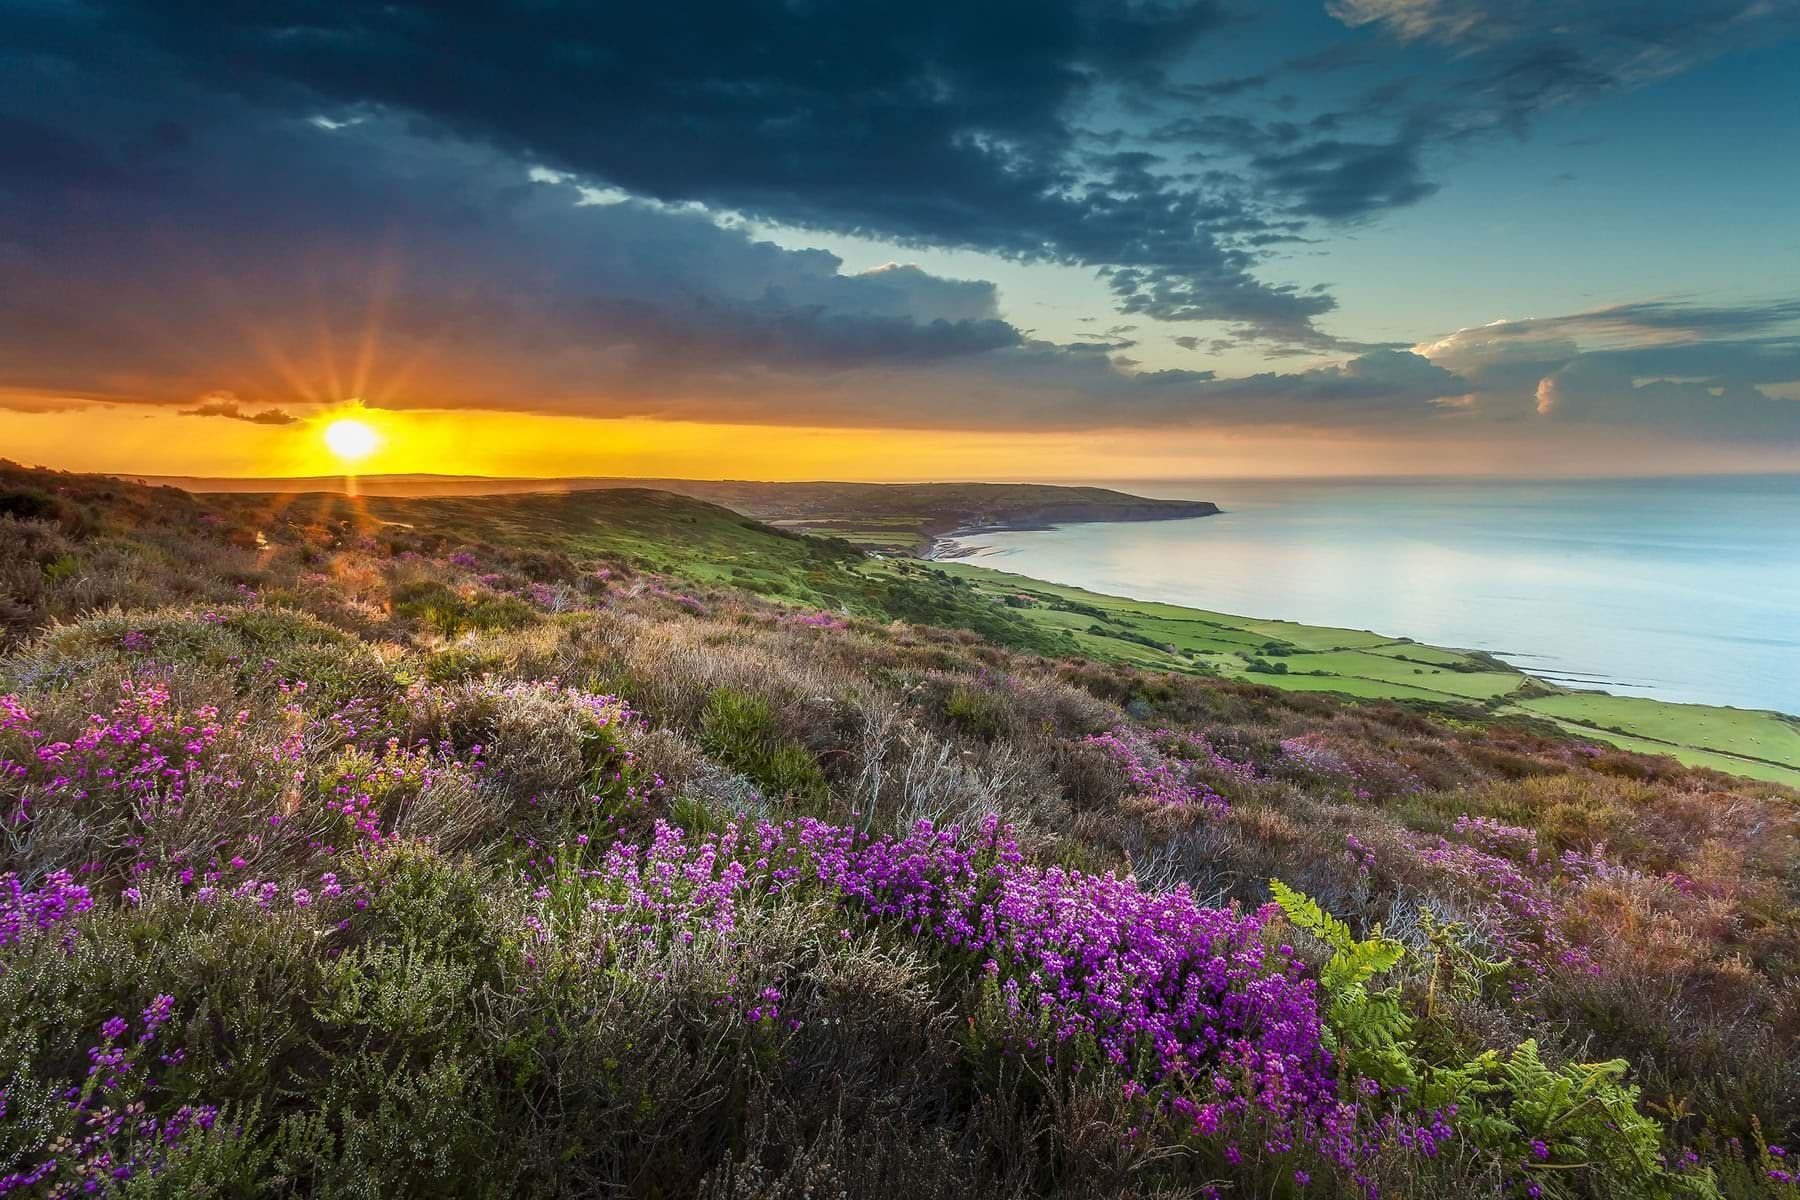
1076, 510
1050, 515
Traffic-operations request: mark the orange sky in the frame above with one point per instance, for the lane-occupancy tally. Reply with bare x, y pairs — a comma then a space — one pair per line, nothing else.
155, 440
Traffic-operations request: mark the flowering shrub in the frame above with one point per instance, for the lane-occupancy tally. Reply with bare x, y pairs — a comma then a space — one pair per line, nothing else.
105, 1132
815, 620
1323, 759
50, 904
1520, 917
1157, 772
1168, 993
144, 755
368, 786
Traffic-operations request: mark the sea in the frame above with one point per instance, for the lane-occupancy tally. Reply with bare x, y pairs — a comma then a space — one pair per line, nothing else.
1682, 589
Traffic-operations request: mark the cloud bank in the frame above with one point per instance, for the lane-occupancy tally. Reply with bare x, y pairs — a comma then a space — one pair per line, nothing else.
245, 210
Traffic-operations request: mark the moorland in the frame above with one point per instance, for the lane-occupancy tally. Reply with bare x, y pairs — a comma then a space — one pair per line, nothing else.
896, 523
616, 842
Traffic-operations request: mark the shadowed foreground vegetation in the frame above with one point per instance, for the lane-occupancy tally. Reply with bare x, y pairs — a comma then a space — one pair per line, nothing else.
616, 844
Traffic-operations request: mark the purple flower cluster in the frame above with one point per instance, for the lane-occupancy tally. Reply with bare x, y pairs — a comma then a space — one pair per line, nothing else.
55, 901
369, 784
1314, 755
1192, 1001
554, 598
17, 737
1500, 863
114, 1137
816, 620
1162, 767
1310, 754
145, 753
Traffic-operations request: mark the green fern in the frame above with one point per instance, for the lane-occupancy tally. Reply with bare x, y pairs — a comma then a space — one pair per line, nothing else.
1369, 1031
1569, 1128
1566, 1129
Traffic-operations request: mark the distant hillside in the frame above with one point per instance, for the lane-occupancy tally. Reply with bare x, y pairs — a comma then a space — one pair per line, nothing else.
904, 517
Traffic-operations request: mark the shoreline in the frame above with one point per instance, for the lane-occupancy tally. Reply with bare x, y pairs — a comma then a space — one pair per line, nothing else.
1237, 578
941, 547
1756, 742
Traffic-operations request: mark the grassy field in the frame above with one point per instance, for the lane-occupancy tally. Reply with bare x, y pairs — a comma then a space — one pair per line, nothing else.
1735, 733
1359, 663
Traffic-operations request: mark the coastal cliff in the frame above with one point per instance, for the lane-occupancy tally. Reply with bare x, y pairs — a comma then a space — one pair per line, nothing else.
1048, 516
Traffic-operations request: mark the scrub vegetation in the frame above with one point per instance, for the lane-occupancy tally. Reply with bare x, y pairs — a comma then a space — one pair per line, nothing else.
616, 844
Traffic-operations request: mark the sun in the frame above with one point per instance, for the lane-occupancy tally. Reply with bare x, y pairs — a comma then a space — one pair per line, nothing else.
351, 440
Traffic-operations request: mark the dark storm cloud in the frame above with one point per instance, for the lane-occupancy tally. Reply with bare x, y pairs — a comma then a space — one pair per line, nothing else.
941, 123
177, 243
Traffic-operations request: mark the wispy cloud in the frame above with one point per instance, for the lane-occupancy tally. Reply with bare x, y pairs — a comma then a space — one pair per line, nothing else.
227, 405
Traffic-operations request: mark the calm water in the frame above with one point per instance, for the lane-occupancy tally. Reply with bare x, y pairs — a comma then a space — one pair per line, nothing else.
1683, 589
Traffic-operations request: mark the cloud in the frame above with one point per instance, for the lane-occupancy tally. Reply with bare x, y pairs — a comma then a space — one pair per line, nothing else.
1040, 386
1653, 28
938, 122
20, 400
292, 203
1687, 369
1487, 69
1602, 392
1661, 319
226, 405
1336, 179
282, 263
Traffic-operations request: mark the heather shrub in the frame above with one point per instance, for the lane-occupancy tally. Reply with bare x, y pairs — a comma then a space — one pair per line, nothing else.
738, 729
975, 711
457, 663
252, 646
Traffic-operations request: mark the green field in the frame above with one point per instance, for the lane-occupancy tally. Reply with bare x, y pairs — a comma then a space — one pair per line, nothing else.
1367, 665
1734, 733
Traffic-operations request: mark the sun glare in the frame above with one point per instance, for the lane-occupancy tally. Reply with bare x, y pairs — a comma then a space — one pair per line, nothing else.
351, 440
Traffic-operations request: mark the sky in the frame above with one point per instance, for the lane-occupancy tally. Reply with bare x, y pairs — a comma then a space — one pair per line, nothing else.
1055, 239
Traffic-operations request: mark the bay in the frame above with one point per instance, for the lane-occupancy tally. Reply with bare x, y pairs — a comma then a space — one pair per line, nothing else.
1684, 589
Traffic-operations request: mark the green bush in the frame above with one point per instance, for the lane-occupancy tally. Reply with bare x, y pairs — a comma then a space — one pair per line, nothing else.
976, 711
738, 729
453, 664
446, 612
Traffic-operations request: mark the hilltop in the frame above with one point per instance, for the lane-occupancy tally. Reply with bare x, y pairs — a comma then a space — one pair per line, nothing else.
615, 842
898, 517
